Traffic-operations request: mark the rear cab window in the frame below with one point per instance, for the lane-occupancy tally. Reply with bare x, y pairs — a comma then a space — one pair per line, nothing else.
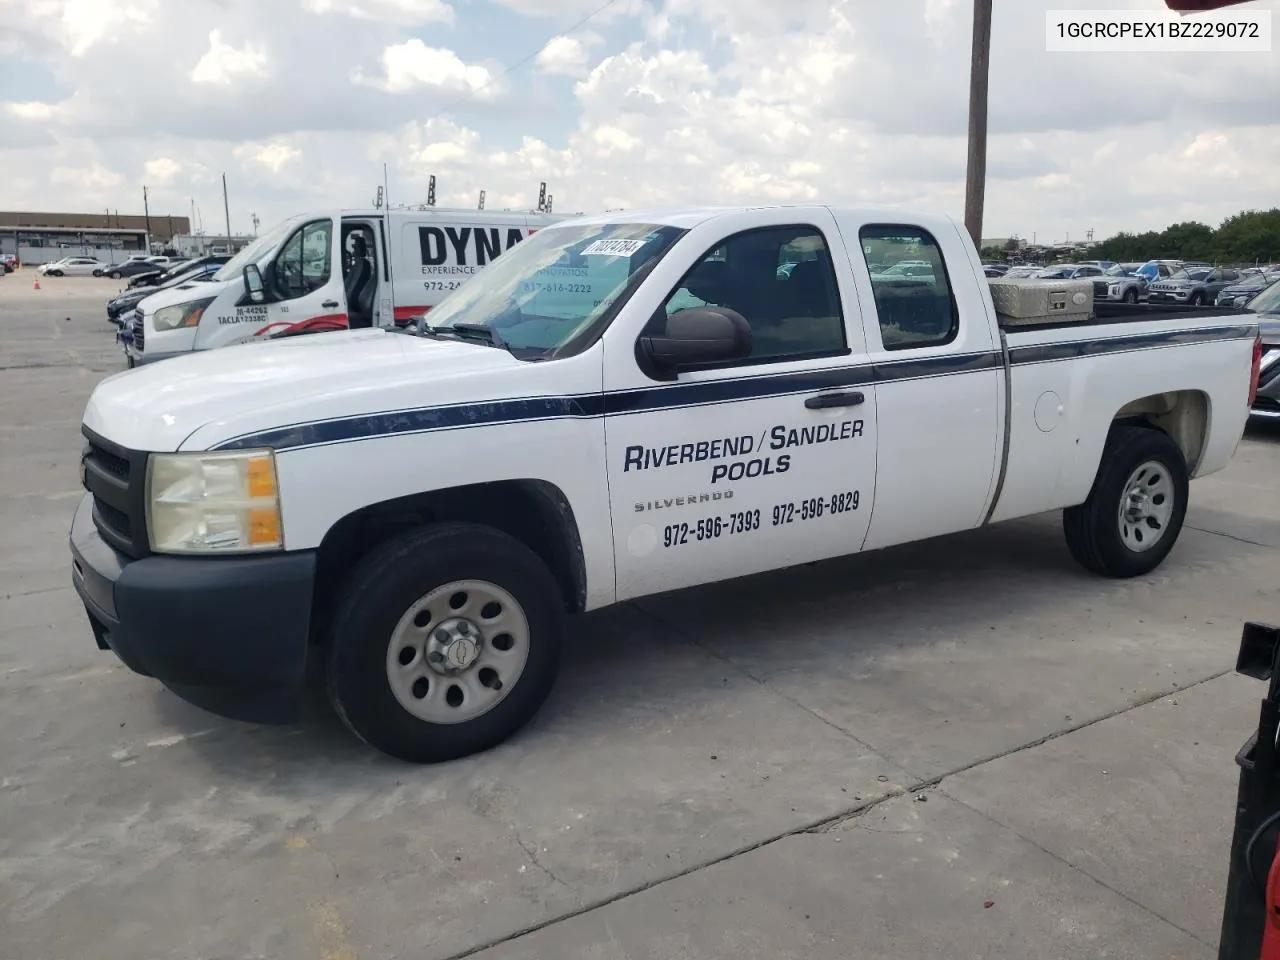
915, 304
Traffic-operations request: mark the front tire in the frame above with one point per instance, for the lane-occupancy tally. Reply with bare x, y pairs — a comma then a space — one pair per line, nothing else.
55, 273
444, 642
1130, 296
115, 274
1136, 508
1197, 299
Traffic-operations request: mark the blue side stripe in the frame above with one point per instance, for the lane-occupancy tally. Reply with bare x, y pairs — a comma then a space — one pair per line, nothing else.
681, 395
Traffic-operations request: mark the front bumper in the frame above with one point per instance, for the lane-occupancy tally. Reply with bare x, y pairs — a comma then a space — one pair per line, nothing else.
227, 634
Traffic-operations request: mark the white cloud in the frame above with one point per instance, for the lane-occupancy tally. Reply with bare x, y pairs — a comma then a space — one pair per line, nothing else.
408, 13
223, 63
82, 24
566, 55
412, 64
30, 109
86, 179
679, 101
161, 170
272, 156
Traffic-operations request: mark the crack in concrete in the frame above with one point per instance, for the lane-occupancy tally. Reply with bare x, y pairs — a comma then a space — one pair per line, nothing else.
1081, 870
531, 851
1229, 536
828, 824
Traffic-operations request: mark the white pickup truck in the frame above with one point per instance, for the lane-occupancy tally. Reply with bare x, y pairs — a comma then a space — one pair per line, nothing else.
618, 406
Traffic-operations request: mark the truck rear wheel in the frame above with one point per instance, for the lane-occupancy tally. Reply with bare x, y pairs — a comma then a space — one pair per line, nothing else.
444, 642
1135, 510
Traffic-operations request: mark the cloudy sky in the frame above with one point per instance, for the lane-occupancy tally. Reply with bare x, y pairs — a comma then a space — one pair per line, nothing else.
626, 104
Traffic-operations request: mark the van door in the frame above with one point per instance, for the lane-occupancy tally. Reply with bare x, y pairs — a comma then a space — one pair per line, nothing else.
304, 283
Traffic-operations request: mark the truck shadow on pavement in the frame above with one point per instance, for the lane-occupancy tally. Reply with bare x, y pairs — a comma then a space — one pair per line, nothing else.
843, 622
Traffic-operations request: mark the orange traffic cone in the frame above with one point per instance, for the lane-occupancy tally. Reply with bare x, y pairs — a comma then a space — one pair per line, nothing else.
36, 284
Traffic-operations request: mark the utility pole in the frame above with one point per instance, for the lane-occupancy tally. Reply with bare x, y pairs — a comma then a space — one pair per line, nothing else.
979, 72
146, 210
226, 209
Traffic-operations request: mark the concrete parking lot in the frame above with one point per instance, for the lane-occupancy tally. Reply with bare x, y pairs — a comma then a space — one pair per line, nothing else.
961, 748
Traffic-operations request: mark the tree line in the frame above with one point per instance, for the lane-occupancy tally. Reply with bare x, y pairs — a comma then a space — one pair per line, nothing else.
1249, 237
1252, 236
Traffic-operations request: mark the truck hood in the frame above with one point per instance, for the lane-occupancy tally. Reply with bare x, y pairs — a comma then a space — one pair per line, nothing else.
235, 390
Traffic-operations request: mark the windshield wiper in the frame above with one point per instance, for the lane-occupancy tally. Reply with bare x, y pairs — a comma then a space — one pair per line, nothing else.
483, 331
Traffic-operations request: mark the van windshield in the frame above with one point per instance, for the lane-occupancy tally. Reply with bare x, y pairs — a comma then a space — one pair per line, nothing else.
254, 251
545, 291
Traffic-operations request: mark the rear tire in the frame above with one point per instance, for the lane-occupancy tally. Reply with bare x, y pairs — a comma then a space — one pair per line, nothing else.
444, 642
1136, 508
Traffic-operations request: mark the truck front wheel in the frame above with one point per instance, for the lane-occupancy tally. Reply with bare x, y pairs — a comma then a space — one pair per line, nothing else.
1135, 510
444, 642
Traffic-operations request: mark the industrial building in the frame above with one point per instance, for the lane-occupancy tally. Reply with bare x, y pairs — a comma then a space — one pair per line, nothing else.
42, 237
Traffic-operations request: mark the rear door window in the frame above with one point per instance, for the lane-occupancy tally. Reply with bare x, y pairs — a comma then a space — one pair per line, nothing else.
914, 302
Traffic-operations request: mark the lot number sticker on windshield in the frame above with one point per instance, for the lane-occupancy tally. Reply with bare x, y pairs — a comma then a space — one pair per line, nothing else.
613, 248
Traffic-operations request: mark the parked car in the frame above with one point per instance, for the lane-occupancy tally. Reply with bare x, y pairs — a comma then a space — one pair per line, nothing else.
152, 277
1022, 271
1266, 404
71, 267
132, 268
132, 258
1121, 283
180, 277
1194, 286
1154, 270
1069, 271
1238, 294
421, 514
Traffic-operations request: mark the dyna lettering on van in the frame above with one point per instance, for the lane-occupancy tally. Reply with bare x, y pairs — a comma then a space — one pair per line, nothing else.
483, 244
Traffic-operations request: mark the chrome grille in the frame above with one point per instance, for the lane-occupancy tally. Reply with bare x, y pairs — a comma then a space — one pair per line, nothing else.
139, 335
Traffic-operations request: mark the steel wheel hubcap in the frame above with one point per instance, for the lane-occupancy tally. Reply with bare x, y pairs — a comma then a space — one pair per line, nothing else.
1146, 506
458, 651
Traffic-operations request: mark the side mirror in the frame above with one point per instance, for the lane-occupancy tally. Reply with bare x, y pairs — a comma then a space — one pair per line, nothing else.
253, 285
698, 336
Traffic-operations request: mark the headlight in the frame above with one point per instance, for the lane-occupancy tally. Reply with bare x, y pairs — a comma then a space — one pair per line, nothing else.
213, 502
181, 314
1113, 289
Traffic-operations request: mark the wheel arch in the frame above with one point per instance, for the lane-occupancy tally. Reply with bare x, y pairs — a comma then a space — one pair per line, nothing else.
1181, 414
535, 512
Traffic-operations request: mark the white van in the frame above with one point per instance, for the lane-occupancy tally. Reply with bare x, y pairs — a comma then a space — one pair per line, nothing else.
327, 271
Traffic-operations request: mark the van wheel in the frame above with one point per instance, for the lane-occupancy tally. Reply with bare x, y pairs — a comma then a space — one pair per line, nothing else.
444, 642
1135, 510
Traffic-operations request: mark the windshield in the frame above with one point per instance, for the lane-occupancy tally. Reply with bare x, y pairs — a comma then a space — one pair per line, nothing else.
250, 254
1268, 301
540, 294
1119, 270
